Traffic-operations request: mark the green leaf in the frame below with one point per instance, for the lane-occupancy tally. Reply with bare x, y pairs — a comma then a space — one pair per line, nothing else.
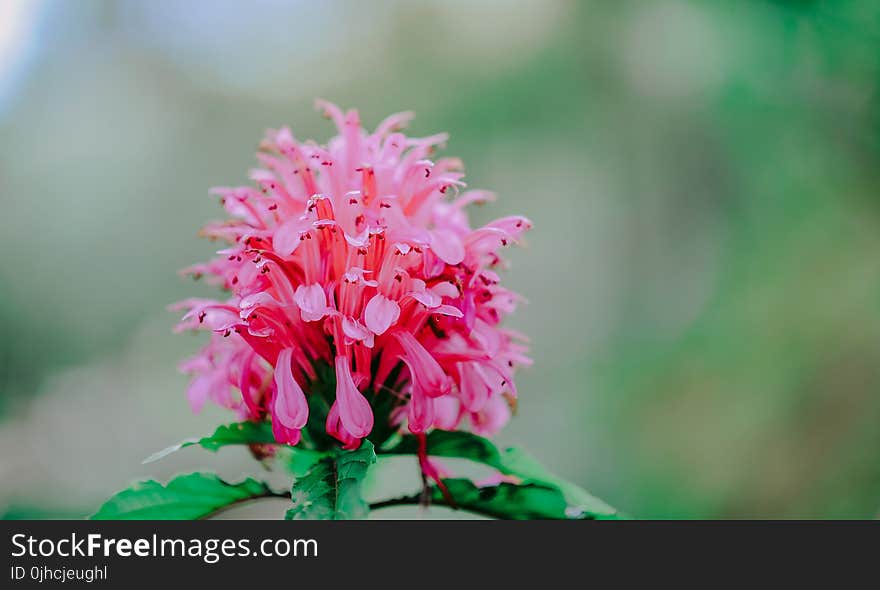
238, 433
511, 461
522, 465
508, 501
186, 497
331, 489
296, 461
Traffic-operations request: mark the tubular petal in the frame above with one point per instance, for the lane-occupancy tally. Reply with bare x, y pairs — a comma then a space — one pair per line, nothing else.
354, 409
424, 368
290, 406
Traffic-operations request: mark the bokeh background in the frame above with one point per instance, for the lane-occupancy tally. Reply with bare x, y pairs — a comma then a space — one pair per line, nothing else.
703, 278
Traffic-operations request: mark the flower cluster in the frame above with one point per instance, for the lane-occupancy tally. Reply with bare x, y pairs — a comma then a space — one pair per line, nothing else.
355, 260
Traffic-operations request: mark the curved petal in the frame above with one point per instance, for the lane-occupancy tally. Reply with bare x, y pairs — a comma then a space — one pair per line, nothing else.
285, 435
447, 412
312, 302
381, 313
287, 236
491, 418
337, 430
354, 409
356, 332
447, 246
449, 310
473, 386
420, 412
289, 407
420, 409
424, 368
199, 391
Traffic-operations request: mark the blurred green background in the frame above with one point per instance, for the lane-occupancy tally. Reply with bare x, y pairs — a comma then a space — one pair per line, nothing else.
703, 276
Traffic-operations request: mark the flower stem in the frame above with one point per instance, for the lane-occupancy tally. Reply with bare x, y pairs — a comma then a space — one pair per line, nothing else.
416, 499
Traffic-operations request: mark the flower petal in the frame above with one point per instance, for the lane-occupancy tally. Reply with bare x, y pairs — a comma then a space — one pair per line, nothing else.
287, 236
354, 409
473, 386
312, 302
420, 409
381, 313
491, 418
356, 332
290, 407
282, 434
447, 412
447, 246
423, 367
337, 430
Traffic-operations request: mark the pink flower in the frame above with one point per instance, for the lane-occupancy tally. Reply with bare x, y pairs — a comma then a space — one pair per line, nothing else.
290, 407
355, 414
356, 260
